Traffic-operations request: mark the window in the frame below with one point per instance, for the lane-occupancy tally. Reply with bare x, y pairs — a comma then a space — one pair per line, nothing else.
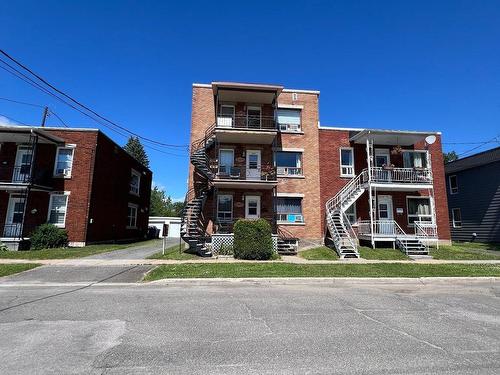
453, 184
456, 217
347, 162
224, 208
288, 163
419, 209
289, 120
58, 205
351, 213
415, 159
132, 216
289, 210
226, 161
135, 182
64, 162
225, 118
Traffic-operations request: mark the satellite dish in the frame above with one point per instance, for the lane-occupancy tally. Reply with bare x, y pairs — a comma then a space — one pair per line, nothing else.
430, 139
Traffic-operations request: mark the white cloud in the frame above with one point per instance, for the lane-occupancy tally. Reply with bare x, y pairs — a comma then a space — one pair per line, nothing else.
4, 121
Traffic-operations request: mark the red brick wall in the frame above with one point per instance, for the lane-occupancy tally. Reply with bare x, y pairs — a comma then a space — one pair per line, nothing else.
111, 194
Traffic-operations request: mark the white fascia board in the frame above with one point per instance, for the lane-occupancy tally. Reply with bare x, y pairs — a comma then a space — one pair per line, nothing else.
290, 106
289, 149
315, 92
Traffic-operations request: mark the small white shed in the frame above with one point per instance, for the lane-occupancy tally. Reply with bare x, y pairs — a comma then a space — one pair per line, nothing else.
174, 225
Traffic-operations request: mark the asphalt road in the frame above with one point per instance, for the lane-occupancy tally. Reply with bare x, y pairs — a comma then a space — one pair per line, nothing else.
94, 274
250, 328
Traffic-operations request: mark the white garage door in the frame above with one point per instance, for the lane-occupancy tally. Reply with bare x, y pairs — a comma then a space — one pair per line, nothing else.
174, 229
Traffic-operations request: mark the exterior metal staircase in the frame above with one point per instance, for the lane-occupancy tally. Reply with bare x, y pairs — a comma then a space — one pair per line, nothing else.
343, 236
287, 243
192, 226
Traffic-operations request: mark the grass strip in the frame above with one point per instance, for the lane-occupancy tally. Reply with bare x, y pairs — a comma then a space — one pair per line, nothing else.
467, 251
173, 252
232, 270
69, 252
9, 269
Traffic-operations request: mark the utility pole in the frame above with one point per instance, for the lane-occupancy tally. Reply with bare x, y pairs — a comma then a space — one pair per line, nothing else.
45, 115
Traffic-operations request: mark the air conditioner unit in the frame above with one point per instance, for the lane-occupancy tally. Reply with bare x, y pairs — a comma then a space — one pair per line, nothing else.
64, 172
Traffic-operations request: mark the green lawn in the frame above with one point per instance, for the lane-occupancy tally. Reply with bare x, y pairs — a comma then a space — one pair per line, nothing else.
231, 270
467, 251
383, 254
69, 252
9, 269
174, 253
326, 253
319, 253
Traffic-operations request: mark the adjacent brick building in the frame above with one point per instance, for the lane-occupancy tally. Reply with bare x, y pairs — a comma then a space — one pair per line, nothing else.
77, 179
257, 151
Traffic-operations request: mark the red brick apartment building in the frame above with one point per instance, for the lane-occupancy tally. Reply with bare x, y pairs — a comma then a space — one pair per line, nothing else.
77, 179
257, 151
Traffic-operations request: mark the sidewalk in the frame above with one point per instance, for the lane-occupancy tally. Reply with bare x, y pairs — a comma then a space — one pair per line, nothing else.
285, 259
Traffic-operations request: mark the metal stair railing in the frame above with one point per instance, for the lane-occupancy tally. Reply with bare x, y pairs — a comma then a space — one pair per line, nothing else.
348, 191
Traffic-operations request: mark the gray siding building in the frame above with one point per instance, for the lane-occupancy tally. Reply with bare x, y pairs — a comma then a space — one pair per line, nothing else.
473, 188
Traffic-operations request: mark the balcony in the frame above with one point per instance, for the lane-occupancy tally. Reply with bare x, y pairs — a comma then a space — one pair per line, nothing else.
246, 129
390, 178
263, 177
20, 176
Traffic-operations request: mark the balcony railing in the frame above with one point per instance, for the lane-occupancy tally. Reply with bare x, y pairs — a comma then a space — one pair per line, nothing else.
391, 175
12, 230
18, 174
246, 122
264, 173
380, 227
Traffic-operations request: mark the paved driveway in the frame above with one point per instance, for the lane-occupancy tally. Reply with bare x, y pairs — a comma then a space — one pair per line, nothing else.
250, 328
93, 274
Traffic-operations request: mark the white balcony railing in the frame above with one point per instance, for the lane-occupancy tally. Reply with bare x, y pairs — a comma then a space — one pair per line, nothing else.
401, 175
380, 227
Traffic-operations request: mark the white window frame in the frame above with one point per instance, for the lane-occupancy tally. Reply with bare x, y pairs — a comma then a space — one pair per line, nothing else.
67, 147
136, 207
254, 108
352, 174
223, 121
299, 218
63, 193
453, 192
289, 128
431, 207
232, 208
453, 220
283, 171
136, 173
220, 152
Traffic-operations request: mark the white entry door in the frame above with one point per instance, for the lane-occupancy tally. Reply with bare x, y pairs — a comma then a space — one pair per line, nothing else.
252, 207
385, 214
14, 219
382, 157
22, 167
253, 165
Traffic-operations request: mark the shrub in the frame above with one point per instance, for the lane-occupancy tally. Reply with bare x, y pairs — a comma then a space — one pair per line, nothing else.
253, 239
48, 236
225, 249
3, 247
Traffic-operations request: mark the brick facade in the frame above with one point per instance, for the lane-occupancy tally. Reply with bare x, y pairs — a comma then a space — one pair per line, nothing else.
98, 188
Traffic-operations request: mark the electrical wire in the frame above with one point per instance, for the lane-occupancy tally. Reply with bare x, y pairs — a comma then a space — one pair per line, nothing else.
12, 119
84, 106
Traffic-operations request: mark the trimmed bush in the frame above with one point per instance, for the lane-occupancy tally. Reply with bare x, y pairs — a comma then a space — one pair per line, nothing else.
253, 239
48, 236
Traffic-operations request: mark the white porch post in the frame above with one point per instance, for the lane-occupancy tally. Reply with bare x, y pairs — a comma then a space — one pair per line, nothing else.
370, 199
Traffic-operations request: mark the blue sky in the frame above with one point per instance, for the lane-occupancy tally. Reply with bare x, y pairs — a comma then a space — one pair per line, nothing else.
423, 65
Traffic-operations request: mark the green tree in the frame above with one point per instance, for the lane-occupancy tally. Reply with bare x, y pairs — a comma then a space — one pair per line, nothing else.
450, 156
162, 205
135, 148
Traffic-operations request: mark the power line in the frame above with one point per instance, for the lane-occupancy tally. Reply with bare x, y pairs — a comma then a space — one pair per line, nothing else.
13, 119
481, 145
59, 118
84, 106
31, 82
19, 102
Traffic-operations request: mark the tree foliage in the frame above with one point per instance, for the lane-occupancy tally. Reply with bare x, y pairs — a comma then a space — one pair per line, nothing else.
135, 148
162, 205
450, 156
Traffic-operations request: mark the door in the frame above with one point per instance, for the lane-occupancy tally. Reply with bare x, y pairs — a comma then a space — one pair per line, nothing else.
385, 215
14, 219
382, 159
252, 207
254, 117
226, 116
22, 167
226, 160
253, 165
